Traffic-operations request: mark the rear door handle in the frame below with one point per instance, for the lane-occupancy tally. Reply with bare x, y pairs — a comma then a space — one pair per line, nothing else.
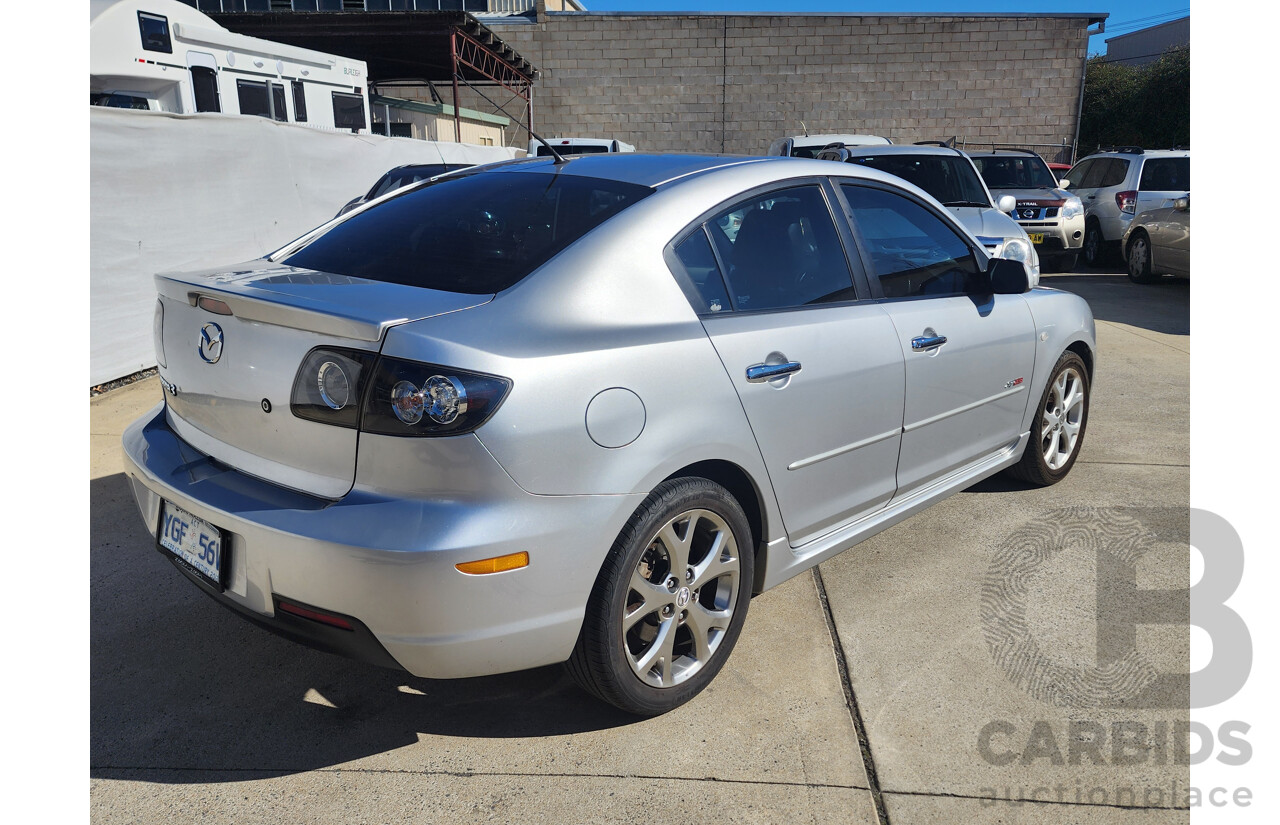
760, 373
928, 342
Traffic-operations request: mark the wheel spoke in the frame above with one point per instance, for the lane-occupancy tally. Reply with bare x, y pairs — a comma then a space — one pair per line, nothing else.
701, 622
713, 566
659, 652
654, 597
677, 545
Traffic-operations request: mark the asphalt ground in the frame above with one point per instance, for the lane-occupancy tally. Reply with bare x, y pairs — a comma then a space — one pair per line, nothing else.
962, 666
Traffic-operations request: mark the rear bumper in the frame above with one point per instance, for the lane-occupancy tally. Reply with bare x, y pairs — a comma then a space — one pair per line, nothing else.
387, 560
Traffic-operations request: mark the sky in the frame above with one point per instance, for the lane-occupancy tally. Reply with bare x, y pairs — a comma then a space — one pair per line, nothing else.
1125, 15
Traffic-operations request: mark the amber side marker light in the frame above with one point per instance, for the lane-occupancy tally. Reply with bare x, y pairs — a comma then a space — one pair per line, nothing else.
514, 561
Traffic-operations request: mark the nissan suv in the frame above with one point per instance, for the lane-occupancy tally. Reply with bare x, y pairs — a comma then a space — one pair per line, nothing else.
1053, 217
1118, 183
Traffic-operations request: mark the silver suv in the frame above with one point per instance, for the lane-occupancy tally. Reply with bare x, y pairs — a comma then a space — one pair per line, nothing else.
1053, 217
1118, 183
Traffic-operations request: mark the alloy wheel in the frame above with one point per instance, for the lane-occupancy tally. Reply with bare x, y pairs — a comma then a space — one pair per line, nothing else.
1061, 419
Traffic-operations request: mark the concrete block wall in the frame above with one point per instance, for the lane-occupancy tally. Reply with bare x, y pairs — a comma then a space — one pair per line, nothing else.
734, 83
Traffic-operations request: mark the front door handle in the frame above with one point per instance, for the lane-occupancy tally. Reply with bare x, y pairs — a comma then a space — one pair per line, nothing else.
760, 373
928, 342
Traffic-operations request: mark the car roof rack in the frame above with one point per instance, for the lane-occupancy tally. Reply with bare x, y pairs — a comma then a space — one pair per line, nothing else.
947, 144
1124, 150
1022, 149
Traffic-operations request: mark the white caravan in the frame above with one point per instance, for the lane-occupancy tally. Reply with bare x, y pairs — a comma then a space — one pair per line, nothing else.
165, 56
579, 146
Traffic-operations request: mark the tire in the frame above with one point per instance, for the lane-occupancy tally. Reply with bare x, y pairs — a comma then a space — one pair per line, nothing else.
678, 631
1095, 246
1039, 464
1064, 263
1138, 258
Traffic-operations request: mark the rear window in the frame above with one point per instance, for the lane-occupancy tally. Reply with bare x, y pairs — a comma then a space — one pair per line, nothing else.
573, 149
475, 234
950, 179
403, 177
1166, 175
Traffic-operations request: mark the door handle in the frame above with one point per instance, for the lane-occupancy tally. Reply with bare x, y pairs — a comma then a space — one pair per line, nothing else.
928, 342
760, 373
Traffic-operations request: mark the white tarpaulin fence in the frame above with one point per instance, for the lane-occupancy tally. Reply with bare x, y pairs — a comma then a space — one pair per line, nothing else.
173, 192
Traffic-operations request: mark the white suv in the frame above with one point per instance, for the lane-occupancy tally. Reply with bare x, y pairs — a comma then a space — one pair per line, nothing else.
808, 146
1053, 217
1116, 184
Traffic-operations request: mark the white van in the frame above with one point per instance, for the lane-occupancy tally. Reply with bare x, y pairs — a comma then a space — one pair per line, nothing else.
579, 146
808, 146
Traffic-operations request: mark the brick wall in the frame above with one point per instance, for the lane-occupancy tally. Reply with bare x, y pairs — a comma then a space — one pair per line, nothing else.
735, 83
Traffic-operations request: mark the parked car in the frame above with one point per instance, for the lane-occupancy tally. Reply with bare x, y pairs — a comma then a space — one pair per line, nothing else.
578, 146
950, 177
1158, 242
808, 146
1118, 183
1052, 217
534, 412
401, 176
1059, 170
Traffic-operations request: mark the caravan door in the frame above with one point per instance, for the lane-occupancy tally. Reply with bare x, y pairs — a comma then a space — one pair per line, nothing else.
203, 69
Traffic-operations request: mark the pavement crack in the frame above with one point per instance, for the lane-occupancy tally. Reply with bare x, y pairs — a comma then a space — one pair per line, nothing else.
851, 701
996, 800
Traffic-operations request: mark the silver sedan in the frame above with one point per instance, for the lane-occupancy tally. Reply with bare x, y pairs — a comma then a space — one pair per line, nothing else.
583, 411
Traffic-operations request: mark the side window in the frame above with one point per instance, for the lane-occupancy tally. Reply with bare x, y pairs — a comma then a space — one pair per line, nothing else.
913, 253
154, 29
1078, 173
348, 111
299, 102
1116, 171
277, 103
782, 250
253, 98
703, 273
1166, 175
1093, 178
204, 84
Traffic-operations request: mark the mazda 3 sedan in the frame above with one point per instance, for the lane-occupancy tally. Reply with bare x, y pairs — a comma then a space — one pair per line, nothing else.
582, 411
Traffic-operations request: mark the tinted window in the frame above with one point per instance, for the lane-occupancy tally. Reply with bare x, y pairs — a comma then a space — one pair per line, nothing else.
1114, 172
1078, 173
253, 98
155, 32
703, 273
348, 111
782, 250
277, 102
1009, 172
204, 85
116, 100
477, 234
913, 252
397, 178
299, 102
1166, 174
572, 150
948, 178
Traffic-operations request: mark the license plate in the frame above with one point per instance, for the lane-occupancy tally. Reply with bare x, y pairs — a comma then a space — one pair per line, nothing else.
1036, 237
193, 540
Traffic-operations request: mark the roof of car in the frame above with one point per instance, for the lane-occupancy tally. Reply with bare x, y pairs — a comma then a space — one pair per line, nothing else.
1127, 151
823, 140
861, 151
631, 167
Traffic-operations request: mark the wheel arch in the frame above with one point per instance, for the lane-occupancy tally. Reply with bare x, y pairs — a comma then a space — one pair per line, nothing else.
748, 495
1081, 348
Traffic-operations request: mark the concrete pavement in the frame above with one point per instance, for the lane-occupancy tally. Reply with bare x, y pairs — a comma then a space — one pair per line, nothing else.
901, 650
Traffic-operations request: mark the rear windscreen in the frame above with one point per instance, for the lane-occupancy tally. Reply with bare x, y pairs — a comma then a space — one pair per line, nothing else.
573, 149
475, 234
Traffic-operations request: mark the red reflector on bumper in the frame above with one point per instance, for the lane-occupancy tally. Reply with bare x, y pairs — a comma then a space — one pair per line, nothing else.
315, 616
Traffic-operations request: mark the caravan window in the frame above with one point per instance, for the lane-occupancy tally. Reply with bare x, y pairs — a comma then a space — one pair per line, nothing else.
253, 98
204, 85
299, 102
155, 32
277, 103
348, 111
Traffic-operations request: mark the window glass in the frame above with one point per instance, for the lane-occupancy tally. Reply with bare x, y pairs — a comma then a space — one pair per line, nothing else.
204, 85
277, 103
1078, 173
118, 100
476, 234
403, 177
299, 101
1012, 172
155, 32
1114, 172
253, 98
913, 252
703, 273
1166, 175
572, 149
782, 250
348, 111
950, 178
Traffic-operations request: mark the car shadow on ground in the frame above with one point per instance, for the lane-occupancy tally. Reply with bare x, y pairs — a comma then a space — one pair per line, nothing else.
1164, 306
178, 682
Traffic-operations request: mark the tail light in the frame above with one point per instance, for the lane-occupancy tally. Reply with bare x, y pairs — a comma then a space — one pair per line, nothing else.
157, 333
415, 399
1127, 201
330, 384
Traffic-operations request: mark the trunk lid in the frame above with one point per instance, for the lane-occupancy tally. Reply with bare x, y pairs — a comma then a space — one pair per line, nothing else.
229, 377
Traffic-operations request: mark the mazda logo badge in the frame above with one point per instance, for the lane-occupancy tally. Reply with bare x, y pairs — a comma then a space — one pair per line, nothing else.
210, 346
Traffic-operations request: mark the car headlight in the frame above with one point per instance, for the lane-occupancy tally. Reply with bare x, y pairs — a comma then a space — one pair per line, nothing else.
1018, 249
1073, 208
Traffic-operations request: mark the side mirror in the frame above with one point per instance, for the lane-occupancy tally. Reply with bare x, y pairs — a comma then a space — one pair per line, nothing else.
1065, 183
1008, 277
1007, 203
1182, 204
